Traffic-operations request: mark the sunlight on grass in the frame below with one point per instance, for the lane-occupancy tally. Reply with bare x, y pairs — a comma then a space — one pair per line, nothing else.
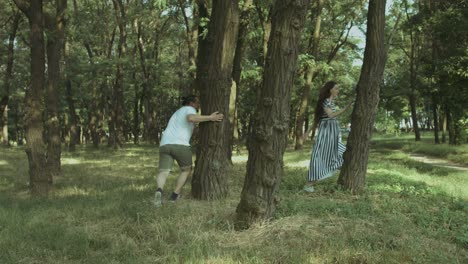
4, 162
135, 187
72, 191
299, 164
75, 161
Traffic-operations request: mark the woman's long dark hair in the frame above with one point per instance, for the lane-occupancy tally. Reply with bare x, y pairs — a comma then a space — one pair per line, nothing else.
324, 93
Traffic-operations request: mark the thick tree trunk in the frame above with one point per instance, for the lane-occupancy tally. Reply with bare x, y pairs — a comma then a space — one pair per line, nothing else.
353, 172
209, 180
39, 176
8, 77
268, 141
55, 24
309, 76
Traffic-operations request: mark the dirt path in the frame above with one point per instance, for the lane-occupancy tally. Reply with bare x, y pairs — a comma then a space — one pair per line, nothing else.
437, 162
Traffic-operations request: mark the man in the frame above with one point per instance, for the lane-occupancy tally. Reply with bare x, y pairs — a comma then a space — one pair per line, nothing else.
175, 144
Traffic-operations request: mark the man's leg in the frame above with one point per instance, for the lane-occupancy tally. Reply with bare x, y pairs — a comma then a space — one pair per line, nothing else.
161, 178
165, 164
181, 180
183, 156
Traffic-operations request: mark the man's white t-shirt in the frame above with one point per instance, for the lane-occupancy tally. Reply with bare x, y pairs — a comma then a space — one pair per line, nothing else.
179, 129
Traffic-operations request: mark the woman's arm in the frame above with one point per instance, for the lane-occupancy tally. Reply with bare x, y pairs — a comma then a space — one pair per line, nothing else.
332, 114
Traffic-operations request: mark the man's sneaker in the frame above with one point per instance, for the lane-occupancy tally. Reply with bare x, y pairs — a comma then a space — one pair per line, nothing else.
158, 198
174, 197
309, 188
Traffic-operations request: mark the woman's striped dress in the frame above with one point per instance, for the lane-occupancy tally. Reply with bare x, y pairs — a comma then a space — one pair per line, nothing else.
327, 154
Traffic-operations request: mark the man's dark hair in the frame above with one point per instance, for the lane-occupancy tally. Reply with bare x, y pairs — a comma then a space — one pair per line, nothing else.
186, 100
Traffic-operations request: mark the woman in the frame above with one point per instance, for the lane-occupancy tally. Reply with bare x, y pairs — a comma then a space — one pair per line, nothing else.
327, 154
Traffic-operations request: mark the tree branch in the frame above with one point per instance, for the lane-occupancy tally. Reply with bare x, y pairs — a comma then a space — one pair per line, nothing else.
23, 6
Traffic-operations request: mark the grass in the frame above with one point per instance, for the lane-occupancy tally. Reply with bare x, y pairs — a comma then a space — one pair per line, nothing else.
101, 212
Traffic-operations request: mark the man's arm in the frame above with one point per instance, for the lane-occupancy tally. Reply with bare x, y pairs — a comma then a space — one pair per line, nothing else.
215, 117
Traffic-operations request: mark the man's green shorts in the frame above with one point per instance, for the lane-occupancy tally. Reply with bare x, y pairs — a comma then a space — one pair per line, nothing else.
168, 153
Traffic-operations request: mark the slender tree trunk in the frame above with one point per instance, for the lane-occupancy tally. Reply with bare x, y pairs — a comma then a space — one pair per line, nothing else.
414, 117
39, 175
8, 77
73, 122
191, 40
308, 78
266, 29
271, 119
136, 113
202, 49
237, 70
451, 128
118, 98
353, 172
145, 93
55, 24
209, 180
435, 115
443, 124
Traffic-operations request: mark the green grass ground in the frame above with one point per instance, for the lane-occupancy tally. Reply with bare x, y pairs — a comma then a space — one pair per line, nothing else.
101, 212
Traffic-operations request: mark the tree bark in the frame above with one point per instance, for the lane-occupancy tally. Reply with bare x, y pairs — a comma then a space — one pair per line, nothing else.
73, 122
209, 180
55, 24
237, 70
266, 29
268, 140
414, 117
353, 172
435, 115
39, 176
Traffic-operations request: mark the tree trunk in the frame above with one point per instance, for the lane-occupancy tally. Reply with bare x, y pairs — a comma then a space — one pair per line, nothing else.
136, 113
118, 98
436, 119
443, 125
237, 70
353, 172
55, 24
266, 30
73, 123
268, 141
214, 83
308, 78
414, 117
39, 176
7, 80
191, 39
